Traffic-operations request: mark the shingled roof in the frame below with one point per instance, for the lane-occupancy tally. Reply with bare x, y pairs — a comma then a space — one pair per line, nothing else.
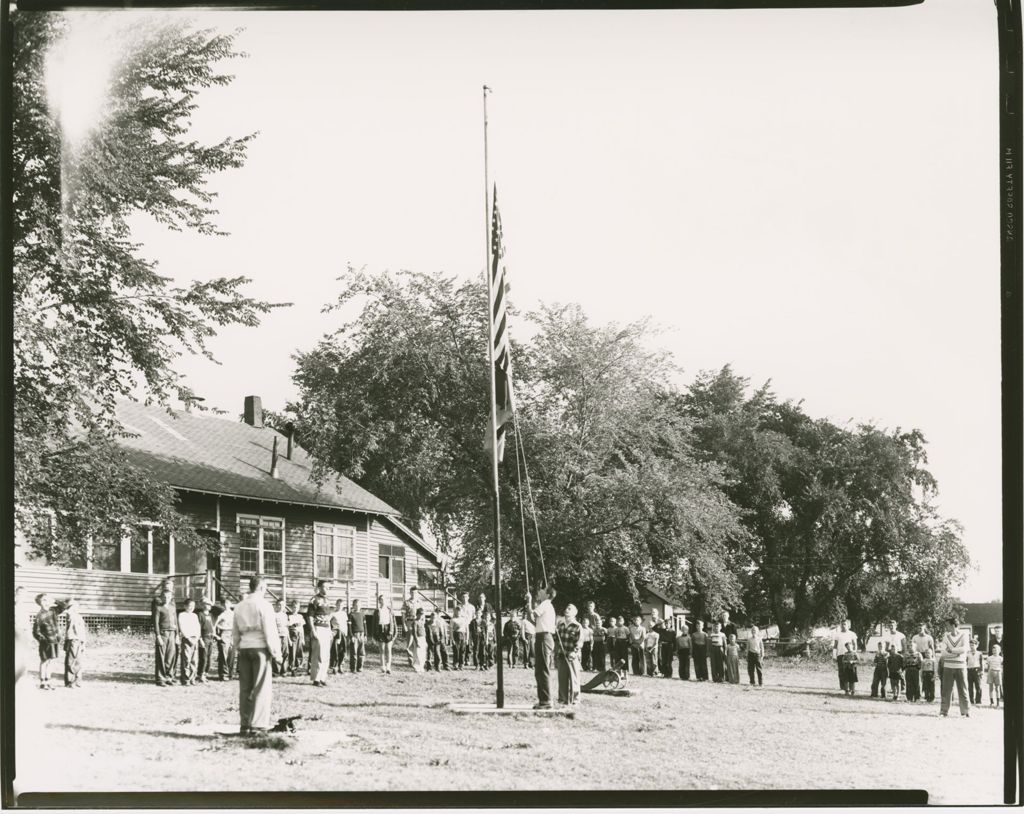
205, 453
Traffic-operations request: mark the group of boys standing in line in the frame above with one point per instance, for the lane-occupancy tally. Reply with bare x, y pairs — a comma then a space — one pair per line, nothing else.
910, 666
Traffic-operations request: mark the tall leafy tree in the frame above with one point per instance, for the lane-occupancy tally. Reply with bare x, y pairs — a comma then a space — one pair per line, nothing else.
94, 320
842, 519
398, 398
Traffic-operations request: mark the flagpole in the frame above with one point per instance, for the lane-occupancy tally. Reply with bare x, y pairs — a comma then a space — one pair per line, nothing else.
495, 505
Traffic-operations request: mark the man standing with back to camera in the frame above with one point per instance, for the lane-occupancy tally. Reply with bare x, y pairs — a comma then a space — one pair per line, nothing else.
543, 618
254, 637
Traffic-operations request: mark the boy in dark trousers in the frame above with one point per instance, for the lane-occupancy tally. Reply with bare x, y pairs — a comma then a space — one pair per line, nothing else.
637, 634
490, 640
513, 638
206, 640
850, 668
881, 673
928, 675
75, 635
437, 641
666, 647
895, 665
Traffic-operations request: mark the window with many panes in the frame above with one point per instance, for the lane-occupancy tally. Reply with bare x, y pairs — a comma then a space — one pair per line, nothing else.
260, 544
150, 551
392, 563
105, 554
333, 551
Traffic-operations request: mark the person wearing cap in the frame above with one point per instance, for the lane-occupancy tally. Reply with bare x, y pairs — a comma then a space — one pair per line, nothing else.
254, 637
165, 624
222, 630
190, 633
567, 657
206, 640
543, 617
46, 632
75, 634
955, 645
296, 639
319, 635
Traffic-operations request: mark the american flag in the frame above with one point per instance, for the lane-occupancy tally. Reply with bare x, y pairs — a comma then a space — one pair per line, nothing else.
502, 360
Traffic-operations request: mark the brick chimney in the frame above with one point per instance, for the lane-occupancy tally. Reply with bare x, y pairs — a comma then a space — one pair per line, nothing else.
253, 415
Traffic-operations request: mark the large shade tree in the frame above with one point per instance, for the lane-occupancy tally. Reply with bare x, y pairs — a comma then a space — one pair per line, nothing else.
94, 320
398, 398
841, 518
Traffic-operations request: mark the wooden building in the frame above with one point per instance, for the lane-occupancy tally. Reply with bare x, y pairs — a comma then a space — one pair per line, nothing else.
984, 619
667, 607
280, 523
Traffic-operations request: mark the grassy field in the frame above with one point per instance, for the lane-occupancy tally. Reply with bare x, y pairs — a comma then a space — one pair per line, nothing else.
375, 732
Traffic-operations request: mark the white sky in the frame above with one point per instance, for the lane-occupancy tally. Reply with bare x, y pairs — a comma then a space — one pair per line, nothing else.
810, 195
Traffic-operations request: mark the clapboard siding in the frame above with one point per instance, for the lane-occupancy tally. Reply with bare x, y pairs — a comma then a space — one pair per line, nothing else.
113, 592
96, 591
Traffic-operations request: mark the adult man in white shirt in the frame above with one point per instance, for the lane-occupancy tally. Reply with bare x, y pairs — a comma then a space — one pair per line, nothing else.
896, 638
543, 618
923, 641
254, 637
839, 641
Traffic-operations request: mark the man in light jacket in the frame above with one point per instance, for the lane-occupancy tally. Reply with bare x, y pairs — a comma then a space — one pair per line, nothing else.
254, 637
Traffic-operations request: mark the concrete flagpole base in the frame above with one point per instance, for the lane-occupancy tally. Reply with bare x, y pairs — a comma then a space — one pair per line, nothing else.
463, 708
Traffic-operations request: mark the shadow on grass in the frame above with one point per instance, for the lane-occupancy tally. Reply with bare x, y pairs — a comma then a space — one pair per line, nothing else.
118, 677
163, 733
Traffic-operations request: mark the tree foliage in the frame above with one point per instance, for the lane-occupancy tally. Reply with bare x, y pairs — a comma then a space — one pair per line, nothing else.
841, 519
398, 398
94, 319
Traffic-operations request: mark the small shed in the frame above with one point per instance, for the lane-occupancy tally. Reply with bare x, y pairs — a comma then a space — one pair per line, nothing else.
984, 619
